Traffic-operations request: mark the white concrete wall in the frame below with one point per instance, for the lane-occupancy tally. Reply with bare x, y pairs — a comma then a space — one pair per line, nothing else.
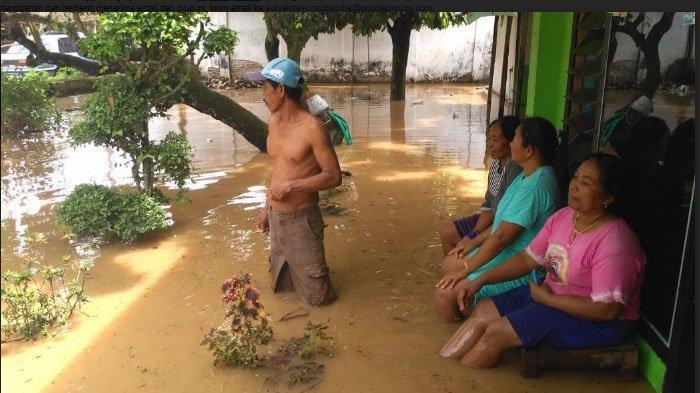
434, 55
671, 47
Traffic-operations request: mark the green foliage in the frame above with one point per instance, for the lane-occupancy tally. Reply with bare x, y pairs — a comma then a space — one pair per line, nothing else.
304, 373
222, 40
115, 115
99, 211
66, 73
151, 48
296, 28
366, 23
173, 158
40, 297
124, 36
26, 105
399, 26
136, 214
150, 52
310, 344
335, 191
245, 326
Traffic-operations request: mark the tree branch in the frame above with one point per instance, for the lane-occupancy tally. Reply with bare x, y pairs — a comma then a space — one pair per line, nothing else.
631, 30
174, 91
638, 20
88, 66
36, 35
660, 28
79, 24
142, 63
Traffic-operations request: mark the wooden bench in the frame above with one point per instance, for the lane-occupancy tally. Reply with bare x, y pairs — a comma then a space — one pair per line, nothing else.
625, 357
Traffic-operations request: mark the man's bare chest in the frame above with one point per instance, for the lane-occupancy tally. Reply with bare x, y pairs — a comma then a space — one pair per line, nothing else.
289, 148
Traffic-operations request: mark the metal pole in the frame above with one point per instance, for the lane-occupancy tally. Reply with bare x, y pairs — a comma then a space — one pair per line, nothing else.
602, 82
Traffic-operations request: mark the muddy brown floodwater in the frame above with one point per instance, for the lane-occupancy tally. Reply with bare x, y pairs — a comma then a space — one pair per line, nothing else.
412, 165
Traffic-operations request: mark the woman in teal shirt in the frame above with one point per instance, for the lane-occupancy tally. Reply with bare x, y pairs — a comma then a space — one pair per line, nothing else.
527, 203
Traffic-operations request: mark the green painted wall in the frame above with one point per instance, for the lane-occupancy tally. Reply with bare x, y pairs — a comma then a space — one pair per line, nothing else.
650, 365
549, 62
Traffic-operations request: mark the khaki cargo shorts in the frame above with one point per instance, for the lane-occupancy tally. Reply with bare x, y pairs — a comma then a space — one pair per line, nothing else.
297, 255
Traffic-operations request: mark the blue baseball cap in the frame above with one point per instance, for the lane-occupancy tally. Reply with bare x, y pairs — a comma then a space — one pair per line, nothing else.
281, 70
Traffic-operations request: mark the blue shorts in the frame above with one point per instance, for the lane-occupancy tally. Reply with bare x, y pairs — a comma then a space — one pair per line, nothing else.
535, 323
465, 226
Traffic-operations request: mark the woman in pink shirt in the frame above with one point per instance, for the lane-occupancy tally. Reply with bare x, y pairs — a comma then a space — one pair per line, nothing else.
590, 295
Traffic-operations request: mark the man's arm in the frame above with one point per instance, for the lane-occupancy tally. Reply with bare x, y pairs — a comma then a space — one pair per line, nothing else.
328, 161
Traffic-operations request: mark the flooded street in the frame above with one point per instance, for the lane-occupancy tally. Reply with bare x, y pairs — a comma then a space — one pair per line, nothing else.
413, 165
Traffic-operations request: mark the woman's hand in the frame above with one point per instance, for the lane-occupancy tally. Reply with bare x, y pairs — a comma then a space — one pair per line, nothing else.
540, 293
467, 293
462, 248
451, 279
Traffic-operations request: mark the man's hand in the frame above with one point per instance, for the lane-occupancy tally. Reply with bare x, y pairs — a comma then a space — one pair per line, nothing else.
451, 279
467, 293
281, 191
462, 248
540, 293
263, 222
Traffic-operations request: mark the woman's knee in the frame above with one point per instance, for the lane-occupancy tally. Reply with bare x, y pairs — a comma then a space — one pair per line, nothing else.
445, 296
446, 305
499, 334
486, 310
450, 263
445, 265
445, 229
490, 346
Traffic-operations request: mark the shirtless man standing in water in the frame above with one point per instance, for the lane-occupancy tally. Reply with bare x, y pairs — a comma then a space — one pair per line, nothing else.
304, 163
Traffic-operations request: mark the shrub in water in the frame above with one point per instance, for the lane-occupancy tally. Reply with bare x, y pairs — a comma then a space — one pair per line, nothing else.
245, 326
107, 213
26, 105
313, 342
40, 296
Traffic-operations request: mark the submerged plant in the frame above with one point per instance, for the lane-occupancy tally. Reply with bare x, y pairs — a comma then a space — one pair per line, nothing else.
26, 104
304, 373
40, 297
330, 208
313, 342
245, 326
